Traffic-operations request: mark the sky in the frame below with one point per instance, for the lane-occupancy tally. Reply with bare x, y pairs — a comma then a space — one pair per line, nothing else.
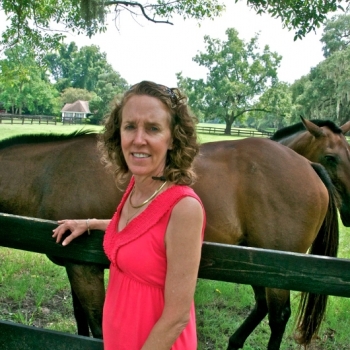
147, 51
142, 50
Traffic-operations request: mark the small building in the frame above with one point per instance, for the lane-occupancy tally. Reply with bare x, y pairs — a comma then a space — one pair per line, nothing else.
74, 113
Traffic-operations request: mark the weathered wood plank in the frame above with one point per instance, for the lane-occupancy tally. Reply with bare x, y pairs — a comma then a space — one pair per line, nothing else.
270, 268
220, 262
19, 337
35, 235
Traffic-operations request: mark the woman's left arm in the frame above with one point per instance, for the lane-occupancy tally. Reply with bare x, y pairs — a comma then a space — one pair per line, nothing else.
183, 241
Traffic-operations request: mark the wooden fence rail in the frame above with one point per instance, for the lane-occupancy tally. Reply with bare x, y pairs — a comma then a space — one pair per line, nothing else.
285, 270
22, 119
234, 131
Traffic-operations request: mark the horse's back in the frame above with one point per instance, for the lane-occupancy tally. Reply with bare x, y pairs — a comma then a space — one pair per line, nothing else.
259, 193
57, 179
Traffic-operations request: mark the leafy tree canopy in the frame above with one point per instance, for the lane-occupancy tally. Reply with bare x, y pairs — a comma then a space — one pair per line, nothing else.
71, 67
274, 107
24, 86
36, 21
324, 92
71, 95
238, 73
336, 34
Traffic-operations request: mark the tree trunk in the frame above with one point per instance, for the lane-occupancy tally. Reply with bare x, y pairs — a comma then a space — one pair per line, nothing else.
229, 119
228, 127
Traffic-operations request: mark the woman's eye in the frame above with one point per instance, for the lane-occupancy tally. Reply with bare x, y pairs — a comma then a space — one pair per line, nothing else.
129, 127
154, 128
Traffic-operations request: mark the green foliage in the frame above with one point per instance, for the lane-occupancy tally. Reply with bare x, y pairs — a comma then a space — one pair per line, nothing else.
24, 86
324, 93
81, 74
198, 9
336, 34
71, 67
71, 95
238, 72
108, 87
42, 24
304, 16
274, 107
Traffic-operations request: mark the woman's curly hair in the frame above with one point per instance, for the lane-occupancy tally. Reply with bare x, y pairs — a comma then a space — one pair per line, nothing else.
178, 167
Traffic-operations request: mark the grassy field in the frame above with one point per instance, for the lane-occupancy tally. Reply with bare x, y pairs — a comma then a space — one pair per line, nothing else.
8, 130
36, 292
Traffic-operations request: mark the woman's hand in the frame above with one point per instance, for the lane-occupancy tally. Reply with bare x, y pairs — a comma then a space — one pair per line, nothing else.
76, 227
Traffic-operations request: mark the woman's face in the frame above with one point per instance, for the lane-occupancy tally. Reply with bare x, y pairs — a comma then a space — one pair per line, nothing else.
145, 135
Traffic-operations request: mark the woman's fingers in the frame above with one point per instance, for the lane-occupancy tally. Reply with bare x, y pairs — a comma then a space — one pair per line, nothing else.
76, 227
64, 226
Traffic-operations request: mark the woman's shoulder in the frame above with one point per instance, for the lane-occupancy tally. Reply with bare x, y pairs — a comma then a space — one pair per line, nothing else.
182, 191
187, 201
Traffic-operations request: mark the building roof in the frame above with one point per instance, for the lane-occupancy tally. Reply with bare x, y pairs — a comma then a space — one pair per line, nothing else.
77, 106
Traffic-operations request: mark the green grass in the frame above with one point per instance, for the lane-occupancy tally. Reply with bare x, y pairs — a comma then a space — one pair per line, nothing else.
221, 307
8, 130
34, 291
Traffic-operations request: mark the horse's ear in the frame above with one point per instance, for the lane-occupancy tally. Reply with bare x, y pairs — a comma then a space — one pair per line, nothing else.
345, 128
313, 129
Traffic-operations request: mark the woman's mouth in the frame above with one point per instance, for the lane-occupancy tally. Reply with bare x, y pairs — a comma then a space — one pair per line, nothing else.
140, 155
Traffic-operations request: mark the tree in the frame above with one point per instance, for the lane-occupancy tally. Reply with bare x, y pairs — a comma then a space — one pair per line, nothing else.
274, 108
33, 20
336, 34
324, 93
60, 64
75, 68
238, 73
24, 85
85, 74
71, 95
43, 24
109, 86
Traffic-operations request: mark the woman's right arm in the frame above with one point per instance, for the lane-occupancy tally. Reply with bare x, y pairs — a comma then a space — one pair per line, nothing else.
77, 228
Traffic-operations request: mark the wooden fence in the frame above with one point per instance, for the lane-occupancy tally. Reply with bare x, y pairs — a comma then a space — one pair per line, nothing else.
221, 262
234, 131
74, 120
26, 119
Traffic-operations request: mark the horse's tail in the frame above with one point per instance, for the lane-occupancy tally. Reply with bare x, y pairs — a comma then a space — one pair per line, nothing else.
312, 307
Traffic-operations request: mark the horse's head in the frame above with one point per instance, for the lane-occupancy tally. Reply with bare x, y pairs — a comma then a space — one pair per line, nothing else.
325, 143
321, 141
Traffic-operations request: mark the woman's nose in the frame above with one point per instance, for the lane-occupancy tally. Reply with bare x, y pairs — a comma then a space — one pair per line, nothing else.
139, 138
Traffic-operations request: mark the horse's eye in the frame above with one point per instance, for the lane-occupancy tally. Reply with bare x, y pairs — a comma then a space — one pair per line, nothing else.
331, 160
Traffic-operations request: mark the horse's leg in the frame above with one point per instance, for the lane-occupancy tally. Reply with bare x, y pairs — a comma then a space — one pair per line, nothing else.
278, 303
80, 317
255, 317
87, 281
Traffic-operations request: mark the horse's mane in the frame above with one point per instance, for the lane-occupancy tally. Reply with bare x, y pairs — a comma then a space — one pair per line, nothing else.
295, 128
41, 138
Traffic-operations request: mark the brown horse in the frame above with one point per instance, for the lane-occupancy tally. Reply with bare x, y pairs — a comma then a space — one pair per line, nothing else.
321, 141
256, 193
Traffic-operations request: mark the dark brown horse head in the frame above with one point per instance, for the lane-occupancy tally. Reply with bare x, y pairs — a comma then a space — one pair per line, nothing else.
321, 141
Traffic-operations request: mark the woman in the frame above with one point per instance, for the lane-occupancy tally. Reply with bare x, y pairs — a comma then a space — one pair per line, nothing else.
154, 239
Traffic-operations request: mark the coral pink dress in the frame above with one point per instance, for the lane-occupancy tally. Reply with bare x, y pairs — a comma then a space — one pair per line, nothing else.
135, 293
